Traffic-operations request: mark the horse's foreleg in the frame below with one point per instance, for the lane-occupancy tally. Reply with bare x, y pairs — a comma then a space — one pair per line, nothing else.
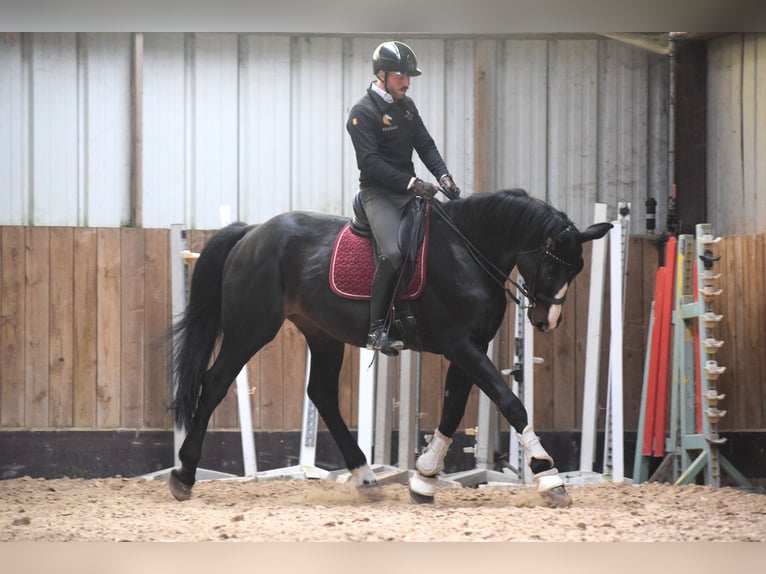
546, 475
488, 379
430, 463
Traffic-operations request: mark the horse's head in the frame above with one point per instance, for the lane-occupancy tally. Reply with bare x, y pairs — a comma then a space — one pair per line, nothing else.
549, 270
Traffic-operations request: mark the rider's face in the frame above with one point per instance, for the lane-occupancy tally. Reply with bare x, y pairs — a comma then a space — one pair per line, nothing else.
398, 84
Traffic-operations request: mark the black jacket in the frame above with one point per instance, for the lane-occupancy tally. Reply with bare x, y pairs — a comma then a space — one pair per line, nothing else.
384, 136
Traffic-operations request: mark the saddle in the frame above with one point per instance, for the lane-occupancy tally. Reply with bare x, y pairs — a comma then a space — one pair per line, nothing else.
352, 265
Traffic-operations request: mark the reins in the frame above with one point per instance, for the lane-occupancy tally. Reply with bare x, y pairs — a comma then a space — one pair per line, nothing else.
496, 274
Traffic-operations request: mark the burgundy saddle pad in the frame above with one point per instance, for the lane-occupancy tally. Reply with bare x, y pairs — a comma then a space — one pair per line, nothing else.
352, 267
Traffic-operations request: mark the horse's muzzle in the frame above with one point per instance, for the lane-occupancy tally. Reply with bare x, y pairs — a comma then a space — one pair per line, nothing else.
538, 316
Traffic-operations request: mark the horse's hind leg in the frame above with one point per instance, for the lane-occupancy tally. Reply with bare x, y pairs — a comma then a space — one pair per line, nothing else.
326, 361
217, 381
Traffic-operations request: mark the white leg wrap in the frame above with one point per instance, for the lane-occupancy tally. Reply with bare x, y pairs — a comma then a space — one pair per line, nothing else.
547, 479
423, 485
363, 476
532, 447
431, 462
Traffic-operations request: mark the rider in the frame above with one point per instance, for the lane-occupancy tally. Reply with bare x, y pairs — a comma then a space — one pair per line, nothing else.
385, 127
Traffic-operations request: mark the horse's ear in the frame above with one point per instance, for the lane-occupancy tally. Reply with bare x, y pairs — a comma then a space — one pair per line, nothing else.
595, 231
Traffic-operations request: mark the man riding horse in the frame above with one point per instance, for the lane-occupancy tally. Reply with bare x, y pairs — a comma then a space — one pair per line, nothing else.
385, 127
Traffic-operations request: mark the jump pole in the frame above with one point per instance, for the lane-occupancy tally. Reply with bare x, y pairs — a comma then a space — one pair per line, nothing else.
613, 436
614, 461
593, 347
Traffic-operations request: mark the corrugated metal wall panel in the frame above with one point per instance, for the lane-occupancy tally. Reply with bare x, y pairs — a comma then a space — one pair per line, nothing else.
736, 128
522, 116
215, 153
54, 129
458, 143
318, 121
573, 127
257, 121
14, 114
265, 127
105, 136
623, 129
726, 201
67, 136
165, 141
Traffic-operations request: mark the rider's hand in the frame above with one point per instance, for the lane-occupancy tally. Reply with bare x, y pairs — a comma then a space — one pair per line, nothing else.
424, 189
447, 183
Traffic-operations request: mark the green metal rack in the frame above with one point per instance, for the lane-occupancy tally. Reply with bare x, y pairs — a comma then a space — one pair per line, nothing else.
693, 442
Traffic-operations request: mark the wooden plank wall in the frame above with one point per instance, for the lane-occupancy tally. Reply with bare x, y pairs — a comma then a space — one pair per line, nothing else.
83, 312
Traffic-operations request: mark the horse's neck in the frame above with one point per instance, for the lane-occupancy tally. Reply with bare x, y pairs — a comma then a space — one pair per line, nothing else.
501, 242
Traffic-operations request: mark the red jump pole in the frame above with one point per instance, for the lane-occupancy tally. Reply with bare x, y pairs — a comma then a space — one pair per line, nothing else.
651, 382
661, 414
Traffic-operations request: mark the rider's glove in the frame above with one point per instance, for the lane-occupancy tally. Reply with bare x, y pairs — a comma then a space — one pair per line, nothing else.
452, 190
423, 188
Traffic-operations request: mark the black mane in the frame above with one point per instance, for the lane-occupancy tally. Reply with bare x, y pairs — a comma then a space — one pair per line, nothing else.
507, 215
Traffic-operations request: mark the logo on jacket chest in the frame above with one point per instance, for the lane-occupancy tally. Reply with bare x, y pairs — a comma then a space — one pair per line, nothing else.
388, 123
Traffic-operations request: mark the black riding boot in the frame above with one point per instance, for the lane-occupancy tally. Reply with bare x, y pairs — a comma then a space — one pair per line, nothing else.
383, 285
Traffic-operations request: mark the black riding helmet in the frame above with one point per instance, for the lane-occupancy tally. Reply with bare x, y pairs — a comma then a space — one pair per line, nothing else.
395, 57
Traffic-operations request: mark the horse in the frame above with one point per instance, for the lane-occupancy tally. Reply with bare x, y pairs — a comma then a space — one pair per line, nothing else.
250, 278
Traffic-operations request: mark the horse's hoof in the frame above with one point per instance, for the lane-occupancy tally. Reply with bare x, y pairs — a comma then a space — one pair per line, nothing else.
178, 489
418, 498
422, 488
557, 497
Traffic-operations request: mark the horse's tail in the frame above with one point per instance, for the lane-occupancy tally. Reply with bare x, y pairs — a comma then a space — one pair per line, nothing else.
195, 333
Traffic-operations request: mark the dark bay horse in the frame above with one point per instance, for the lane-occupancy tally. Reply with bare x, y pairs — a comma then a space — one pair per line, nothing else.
249, 279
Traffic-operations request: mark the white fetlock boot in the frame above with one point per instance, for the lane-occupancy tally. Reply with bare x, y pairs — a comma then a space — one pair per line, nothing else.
428, 466
533, 449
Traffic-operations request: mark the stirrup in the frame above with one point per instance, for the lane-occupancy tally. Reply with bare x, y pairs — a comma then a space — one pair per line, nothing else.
378, 340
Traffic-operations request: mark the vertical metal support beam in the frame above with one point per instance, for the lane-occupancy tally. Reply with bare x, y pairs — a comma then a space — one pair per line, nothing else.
177, 306
615, 354
310, 424
529, 386
137, 132
484, 86
408, 410
366, 422
246, 423
383, 401
486, 423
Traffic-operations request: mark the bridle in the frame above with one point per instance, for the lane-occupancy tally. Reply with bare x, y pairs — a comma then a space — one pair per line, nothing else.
544, 298
497, 275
